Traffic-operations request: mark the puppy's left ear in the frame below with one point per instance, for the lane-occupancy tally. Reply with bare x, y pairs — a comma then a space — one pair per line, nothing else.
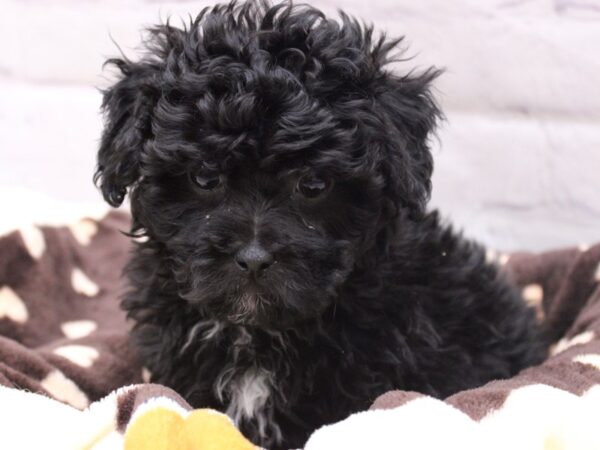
411, 114
127, 108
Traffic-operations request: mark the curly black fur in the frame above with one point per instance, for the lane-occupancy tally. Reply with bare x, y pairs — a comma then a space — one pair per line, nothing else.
212, 133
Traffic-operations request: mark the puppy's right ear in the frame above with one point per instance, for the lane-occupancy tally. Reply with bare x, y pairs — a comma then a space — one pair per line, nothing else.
127, 107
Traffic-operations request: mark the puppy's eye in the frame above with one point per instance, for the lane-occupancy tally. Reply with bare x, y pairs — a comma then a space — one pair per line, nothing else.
206, 181
312, 186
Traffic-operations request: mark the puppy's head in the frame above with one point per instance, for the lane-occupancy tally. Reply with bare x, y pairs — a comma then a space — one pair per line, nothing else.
267, 154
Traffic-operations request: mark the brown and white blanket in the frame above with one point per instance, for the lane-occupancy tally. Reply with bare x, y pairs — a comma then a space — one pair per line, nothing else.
69, 378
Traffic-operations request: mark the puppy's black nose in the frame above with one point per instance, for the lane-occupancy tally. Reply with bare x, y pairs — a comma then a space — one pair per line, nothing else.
253, 258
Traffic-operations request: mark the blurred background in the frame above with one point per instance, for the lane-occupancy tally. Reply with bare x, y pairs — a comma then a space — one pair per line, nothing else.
517, 160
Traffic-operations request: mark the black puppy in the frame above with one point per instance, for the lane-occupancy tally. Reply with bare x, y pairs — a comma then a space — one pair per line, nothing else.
291, 272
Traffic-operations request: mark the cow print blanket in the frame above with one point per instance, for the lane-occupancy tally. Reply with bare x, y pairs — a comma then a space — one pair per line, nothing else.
68, 371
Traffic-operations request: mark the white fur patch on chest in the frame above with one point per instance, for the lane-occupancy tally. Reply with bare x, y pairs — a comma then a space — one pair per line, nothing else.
249, 393
245, 388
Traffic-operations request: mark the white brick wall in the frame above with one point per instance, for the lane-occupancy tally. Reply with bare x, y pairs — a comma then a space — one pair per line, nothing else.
518, 160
